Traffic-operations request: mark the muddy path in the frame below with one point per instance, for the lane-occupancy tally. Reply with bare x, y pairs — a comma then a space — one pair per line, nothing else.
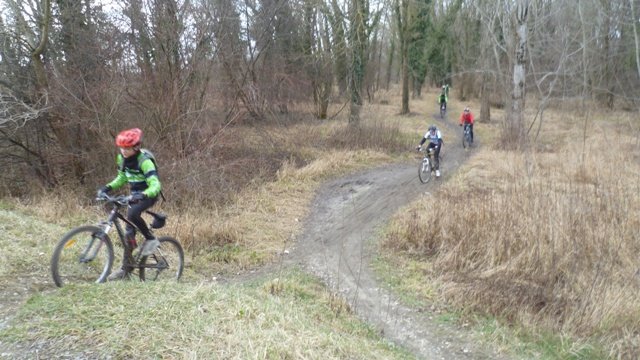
338, 243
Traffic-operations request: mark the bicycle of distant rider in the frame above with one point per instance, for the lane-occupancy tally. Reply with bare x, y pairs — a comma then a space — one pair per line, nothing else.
426, 165
443, 109
86, 253
466, 137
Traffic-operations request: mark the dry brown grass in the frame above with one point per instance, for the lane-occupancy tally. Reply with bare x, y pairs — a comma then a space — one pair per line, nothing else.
548, 238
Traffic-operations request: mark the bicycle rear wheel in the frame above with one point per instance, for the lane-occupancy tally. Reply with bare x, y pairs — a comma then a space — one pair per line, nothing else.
84, 254
424, 172
166, 263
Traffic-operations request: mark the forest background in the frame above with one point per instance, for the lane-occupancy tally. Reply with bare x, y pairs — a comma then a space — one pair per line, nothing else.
74, 73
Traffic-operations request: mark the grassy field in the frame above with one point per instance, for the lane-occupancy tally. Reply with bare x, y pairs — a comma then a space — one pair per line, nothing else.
543, 243
290, 317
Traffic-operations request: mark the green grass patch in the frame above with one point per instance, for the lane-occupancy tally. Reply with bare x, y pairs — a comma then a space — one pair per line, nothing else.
407, 279
25, 243
290, 317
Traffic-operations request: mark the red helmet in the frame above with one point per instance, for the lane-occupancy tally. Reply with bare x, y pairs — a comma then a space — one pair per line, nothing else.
129, 138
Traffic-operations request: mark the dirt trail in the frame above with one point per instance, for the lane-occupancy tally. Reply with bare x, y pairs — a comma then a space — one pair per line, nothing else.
336, 245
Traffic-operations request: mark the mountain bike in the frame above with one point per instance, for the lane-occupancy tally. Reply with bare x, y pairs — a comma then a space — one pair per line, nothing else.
86, 253
443, 109
466, 137
426, 165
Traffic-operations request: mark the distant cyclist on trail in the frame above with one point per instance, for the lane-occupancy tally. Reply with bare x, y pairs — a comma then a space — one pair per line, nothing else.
443, 97
435, 141
137, 168
466, 119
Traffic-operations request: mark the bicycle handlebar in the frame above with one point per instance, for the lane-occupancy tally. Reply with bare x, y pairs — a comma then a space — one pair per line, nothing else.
120, 200
427, 149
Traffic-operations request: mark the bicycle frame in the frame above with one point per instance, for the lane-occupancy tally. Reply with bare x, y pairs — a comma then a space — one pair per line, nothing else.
430, 154
466, 134
114, 216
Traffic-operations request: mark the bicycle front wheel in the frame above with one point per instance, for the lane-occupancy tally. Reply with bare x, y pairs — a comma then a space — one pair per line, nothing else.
166, 263
466, 140
84, 254
424, 172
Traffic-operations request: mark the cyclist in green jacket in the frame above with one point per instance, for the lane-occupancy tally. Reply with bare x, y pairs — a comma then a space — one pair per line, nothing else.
138, 169
443, 98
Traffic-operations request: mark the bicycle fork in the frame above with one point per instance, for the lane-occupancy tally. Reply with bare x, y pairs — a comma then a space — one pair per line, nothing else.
425, 164
92, 249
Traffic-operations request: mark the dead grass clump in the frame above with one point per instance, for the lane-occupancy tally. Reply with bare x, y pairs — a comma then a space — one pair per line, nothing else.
568, 246
204, 238
412, 236
59, 207
499, 295
331, 163
375, 136
546, 239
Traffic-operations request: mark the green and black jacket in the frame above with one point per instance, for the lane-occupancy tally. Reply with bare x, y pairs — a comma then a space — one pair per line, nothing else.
141, 174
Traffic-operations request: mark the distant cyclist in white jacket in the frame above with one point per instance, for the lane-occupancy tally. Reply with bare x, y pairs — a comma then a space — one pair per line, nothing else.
435, 141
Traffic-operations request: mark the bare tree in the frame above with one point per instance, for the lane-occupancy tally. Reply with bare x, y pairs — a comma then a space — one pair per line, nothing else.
15, 112
318, 55
402, 19
24, 89
515, 127
362, 22
634, 23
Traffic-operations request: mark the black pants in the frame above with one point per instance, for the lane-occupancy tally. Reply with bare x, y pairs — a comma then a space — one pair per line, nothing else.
436, 154
134, 214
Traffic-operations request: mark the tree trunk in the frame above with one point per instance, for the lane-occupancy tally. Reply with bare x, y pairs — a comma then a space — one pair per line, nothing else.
358, 58
516, 132
402, 18
485, 106
635, 36
340, 40
392, 50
